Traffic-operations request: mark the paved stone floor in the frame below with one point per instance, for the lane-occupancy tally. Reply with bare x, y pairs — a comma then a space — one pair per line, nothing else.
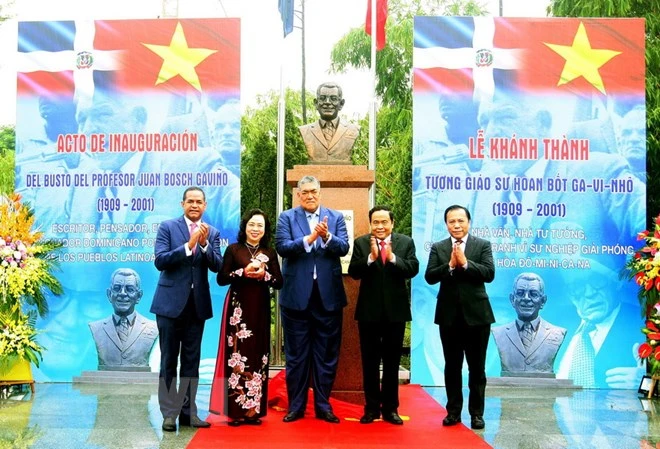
66, 415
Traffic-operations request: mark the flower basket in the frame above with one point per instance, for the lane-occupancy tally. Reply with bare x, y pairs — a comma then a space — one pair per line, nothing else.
644, 269
27, 262
18, 372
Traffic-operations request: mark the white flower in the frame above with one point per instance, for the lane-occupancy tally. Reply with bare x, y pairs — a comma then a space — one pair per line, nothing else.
233, 380
17, 255
243, 333
264, 359
234, 321
237, 360
230, 341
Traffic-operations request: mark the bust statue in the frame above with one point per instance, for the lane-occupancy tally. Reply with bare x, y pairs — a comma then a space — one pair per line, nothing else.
329, 140
125, 338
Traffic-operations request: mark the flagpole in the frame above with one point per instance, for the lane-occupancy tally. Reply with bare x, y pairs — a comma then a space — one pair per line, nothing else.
279, 197
372, 105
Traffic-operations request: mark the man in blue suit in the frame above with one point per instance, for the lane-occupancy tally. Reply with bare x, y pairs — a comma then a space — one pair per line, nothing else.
311, 239
186, 249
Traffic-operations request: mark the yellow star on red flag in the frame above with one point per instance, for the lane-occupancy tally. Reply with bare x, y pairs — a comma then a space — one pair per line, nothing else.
179, 59
582, 60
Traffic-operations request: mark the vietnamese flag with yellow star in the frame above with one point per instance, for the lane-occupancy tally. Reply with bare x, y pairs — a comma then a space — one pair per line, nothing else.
583, 56
167, 55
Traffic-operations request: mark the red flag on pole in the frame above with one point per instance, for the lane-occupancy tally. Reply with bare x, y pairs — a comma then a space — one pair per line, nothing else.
381, 18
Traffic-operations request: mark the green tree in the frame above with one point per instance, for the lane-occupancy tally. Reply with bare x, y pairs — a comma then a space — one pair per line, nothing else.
394, 89
7, 159
649, 10
259, 158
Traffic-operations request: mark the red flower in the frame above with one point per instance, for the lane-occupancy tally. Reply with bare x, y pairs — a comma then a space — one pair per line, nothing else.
644, 350
653, 336
648, 284
652, 326
642, 235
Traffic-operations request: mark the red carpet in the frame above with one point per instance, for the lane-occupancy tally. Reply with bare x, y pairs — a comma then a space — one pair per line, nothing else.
422, 427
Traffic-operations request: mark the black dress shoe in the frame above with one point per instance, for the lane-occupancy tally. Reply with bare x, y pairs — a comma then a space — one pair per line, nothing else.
451, 420
368, 418
169, 424
477, 422
193, 421
293, 416
392, 418
327, 417
234, 423
252, 421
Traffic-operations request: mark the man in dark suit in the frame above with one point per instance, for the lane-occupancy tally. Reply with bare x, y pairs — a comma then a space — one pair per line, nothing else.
311, 239
186, 249
463, 264
383, 261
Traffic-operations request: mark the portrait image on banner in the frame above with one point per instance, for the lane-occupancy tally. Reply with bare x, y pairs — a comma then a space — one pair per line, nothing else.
537, 127
115, 119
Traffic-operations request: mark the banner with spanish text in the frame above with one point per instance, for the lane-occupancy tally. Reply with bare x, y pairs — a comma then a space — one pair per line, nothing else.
115, 119
538, 128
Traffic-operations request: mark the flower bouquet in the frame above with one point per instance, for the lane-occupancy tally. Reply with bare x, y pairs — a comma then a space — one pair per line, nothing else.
650, 350
27, 262
644, 268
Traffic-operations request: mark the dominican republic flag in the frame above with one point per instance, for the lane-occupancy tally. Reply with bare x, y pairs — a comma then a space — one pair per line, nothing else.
482, 55
180, 56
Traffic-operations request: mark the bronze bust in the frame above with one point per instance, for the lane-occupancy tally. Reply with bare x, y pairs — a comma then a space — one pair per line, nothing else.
329, 140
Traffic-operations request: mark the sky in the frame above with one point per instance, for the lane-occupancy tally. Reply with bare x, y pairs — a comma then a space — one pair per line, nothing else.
267, 60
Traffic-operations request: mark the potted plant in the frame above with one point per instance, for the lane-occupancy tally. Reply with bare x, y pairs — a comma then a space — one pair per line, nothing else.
27, 262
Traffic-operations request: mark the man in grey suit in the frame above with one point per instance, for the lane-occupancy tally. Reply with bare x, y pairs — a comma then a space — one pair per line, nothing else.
329, 140
383, 261
528, 345
124, 339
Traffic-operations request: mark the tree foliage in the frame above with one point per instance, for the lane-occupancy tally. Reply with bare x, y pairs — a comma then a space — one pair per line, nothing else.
7, 160
259, 157
394, 89
649, 10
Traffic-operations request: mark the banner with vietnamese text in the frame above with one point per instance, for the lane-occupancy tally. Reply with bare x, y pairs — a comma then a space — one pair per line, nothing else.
538, 127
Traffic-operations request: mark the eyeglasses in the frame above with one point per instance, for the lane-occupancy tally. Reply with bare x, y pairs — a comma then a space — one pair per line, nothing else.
531, 294
129, 289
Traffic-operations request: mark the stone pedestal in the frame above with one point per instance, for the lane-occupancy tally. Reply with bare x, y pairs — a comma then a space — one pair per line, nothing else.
345, 188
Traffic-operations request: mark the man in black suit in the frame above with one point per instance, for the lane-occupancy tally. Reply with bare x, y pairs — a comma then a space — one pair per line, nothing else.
383, 261
462, 264
186, 250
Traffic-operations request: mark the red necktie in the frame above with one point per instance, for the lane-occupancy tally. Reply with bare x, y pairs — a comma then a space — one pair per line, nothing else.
383, 257
193, 227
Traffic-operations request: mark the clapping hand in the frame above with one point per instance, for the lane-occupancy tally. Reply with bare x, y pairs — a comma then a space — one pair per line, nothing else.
458, 258
321, 229
203, 234
374, 248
